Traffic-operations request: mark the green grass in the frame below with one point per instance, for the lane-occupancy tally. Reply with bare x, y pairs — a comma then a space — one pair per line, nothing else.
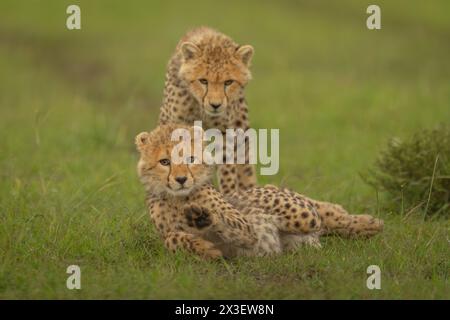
71, 103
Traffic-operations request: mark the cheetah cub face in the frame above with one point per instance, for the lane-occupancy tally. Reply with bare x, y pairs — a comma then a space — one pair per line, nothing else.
157, 170
215, 74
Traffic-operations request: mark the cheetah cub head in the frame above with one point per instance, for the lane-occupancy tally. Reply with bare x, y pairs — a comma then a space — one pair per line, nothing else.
216, 74
157, 169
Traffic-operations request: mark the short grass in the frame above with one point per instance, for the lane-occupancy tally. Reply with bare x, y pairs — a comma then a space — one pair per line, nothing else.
71, 103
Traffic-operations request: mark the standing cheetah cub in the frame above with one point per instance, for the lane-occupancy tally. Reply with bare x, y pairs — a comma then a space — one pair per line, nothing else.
190, 214
205, 80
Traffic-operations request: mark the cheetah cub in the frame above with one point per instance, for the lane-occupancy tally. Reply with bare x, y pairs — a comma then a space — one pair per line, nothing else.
190, 214
205, 80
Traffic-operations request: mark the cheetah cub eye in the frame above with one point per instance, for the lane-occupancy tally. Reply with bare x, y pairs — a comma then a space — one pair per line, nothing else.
203, 81
228, 82
164, 162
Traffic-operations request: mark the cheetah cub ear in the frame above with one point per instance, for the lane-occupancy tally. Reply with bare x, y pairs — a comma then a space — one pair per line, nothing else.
245, 54
141, 140
189, 50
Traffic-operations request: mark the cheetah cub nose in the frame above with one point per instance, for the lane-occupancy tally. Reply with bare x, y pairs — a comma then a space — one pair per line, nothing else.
215, 105
181, 180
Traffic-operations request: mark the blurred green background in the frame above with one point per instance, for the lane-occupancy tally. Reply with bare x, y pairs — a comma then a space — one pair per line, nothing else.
71, 103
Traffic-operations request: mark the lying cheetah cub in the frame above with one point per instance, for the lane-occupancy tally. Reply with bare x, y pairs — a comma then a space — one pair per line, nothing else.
190, 214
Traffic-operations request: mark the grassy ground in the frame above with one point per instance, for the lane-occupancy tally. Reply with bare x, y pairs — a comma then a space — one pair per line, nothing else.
71, 103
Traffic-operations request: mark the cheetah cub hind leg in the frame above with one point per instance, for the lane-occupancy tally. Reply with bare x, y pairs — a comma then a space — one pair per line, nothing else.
364, 225
337, 221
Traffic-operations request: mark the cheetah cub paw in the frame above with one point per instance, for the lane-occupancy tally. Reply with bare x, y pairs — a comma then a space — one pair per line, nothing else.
197, 217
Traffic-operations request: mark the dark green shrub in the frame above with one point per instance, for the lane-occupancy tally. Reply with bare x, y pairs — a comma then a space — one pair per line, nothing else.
415, 173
